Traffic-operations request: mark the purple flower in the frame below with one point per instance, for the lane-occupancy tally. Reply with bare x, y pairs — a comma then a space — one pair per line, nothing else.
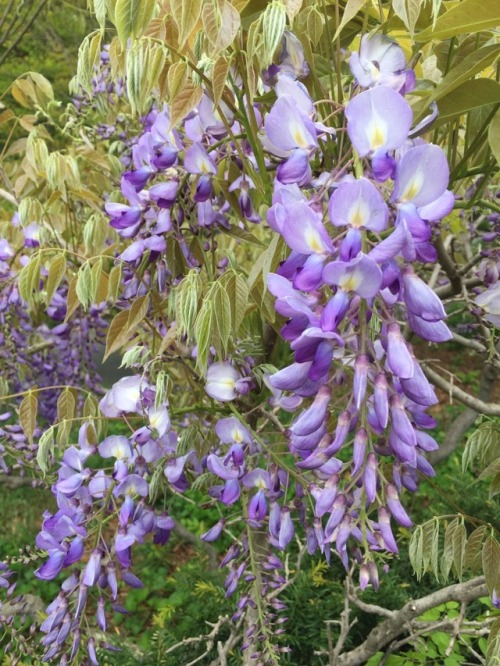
361, 275
358, 204
222, 379
132, 485
420, 299
124, 396
378, 119
292, 60
288, 127
422, 176
489, 301
399, 358
214, 532
304, 232
197, 160
380, 61
116, 446
231, 431
93, 568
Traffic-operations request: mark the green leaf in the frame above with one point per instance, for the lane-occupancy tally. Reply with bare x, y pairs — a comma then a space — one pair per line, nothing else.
186, 15
88, 57
473, 548
221, 22
491, 563
157, 483
117, 333
467, 96
90, 406
416, 551
114, 283
29, 278
45, 450
132, 17
459, 542
493, 648
237, 291
27, 415
447, 557
187, 297
471, 65
99, 9
431, 546
66, 405
57, 270
494, 486
491, 470
203, 333
84, 285
494, 136
467, 16
222, 310
220, 72
273, 26
408, 11
184, 102
351, 9
243, 235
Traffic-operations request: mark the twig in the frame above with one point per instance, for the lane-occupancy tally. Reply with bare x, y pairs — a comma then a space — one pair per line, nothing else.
388, 630
372, 609
448, 290
345, 624
486, 408
457, 622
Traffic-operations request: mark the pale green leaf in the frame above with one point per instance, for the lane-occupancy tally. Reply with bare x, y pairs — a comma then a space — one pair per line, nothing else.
467, 16
131, 17
84, 285
203, 334
466, 97
471, 65
416, 551
57, 270
493, 648
408, 11
27, 415
448, 550
117, 333
137, 312
491, 563
222, 311
66, 405
184, 102
45, 450
459, 543
186, 15
237, 291
473, 548
494, 136
351, 9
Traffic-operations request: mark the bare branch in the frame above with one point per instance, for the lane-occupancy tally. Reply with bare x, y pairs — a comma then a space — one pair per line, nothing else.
457, 429
388, 630
486, 408
447, 290
469, 342
345, 624
448, 265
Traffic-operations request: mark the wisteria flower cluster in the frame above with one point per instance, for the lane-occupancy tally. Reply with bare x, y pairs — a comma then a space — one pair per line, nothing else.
348, 409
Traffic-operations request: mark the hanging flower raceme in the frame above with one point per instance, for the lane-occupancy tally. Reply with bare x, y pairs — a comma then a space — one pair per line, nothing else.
337, 282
